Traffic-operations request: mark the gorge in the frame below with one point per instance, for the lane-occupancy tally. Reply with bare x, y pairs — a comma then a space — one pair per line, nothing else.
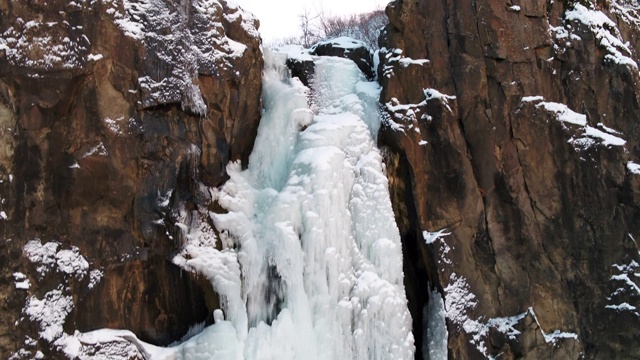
172, 189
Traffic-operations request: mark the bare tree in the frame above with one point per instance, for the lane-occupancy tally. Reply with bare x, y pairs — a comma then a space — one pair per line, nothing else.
317, 26
310, 32
365, 27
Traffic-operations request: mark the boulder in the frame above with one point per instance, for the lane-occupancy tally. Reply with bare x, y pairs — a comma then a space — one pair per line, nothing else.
348, 48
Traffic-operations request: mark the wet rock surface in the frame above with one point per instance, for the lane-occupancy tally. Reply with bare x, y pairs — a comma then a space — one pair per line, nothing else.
512, 128
114, 117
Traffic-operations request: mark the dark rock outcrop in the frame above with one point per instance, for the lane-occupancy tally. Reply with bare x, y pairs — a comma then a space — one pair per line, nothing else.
348, 48
113, 117
513, 129
302, 69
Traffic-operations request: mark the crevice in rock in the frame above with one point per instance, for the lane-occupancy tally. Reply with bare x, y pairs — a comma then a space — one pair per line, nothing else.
532, 203
418, 262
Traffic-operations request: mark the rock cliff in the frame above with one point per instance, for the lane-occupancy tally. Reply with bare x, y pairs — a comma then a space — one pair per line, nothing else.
115, 115
512, 136
512, 150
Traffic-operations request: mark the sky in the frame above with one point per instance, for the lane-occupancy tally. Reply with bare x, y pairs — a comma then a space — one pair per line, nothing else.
279, 18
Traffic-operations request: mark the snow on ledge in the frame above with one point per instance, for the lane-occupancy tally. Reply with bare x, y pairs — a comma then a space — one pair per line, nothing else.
431, 237
343, 42
627, 289
590, 135
633, 168
410, 110
405, 61
563, 113
49, 311
459, 300
606, 32
537, 98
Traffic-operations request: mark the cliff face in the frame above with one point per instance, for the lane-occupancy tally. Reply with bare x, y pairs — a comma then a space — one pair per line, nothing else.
512, 151
512, 135
114, 116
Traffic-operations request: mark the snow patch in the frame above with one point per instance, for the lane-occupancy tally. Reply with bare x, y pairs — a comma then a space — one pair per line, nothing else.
343, 42
395, 55
44, 45
431, 237
633, 168
94, 277
627, 289
95, 57
588, 136
537, 98
188, 40
21, 281
72, 263
295, 52
99, 150
44, 256
563, 113
405, 116
606, 32
49, 312
405, 61
460, 301
554, 336
47, 257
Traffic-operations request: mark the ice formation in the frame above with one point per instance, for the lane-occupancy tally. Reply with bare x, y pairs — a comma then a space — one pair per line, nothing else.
311, 217
436, 336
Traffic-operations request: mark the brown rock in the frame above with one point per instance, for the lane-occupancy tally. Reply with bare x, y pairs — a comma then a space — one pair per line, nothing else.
109, 126
535, 221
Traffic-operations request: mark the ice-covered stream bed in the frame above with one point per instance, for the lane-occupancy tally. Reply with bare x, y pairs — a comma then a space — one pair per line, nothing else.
308, 261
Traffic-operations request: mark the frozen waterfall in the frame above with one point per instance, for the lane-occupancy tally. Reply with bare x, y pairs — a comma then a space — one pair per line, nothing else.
308, 260
316, 239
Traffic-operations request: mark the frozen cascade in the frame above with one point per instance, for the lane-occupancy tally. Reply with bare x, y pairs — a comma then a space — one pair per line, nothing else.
436, 336
310, 265
317, 242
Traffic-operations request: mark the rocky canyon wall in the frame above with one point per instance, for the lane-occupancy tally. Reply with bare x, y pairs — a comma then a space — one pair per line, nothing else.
512, 148
513, 143
115, 117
